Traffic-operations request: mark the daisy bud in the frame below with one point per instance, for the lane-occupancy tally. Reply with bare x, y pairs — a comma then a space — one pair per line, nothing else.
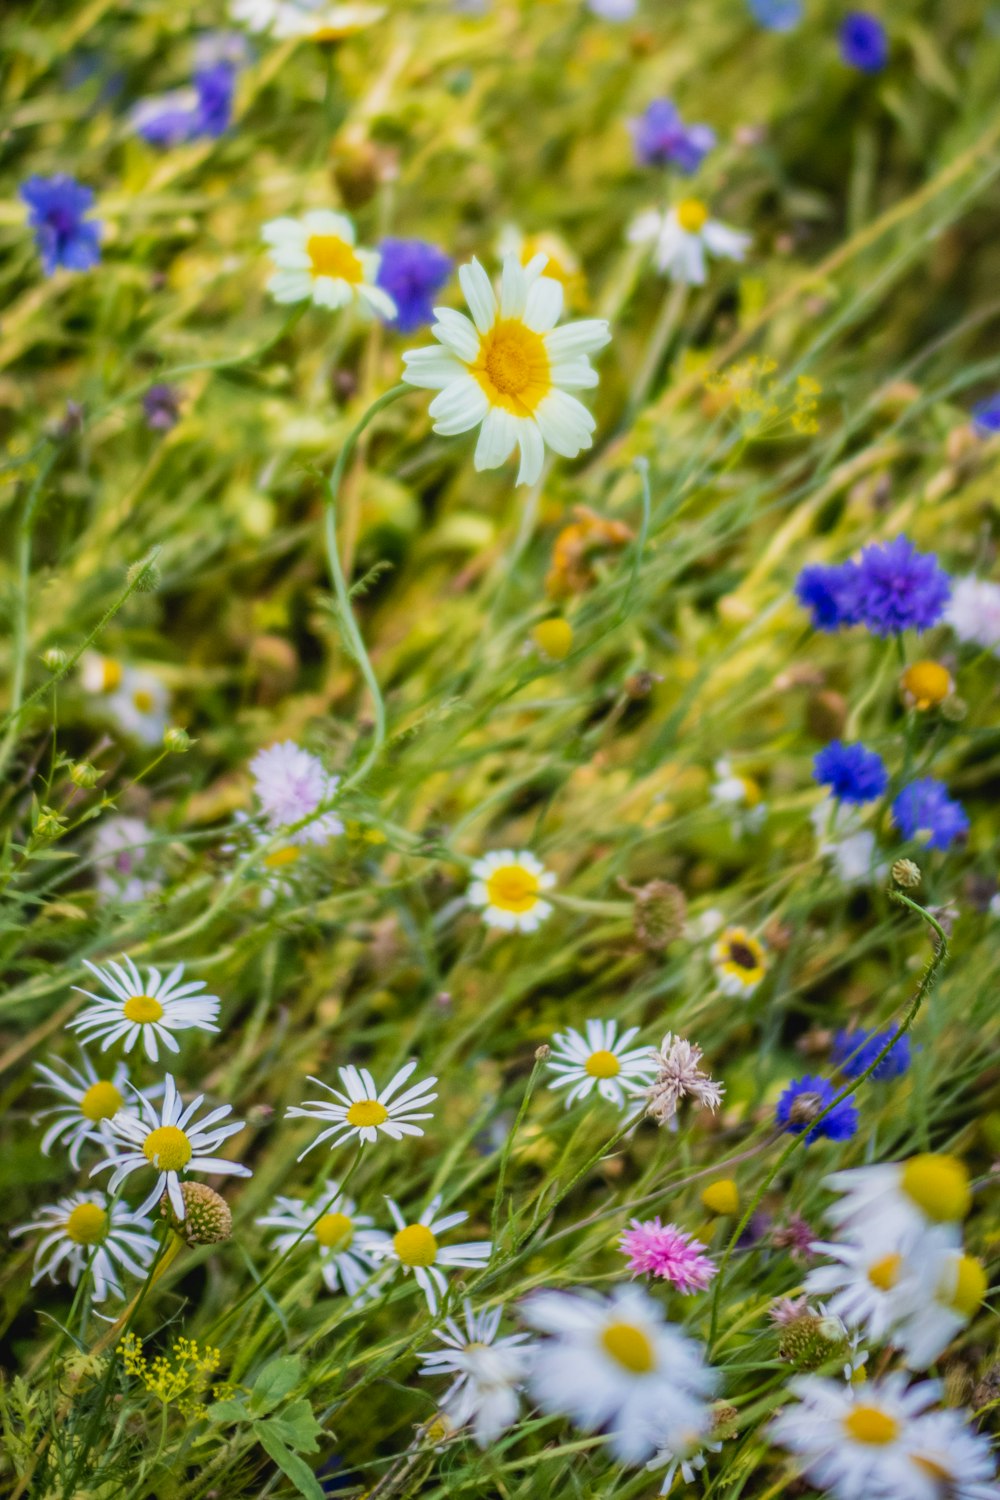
83, 774
808, 1341
554, 638
906, 874
207, 1220
926, 684
659, 914
543, 1052
177, 740
144, 577
722, 1197
54, 658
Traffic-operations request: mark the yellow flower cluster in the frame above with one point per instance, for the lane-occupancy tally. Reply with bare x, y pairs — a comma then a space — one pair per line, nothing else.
180, 1380
765, 404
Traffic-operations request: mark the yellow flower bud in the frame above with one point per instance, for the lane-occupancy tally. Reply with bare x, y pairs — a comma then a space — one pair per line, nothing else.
722, 1197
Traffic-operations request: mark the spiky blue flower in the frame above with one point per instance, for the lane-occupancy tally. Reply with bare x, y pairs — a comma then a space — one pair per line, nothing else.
663, 140
826, 592
56, 212
852, 773
863, 42
855, 1051
986, 416
806, 1098
412, 272
924, 810
189, 114
893, 587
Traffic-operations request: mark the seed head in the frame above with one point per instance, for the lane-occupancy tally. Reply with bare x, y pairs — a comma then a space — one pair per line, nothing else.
208, 1220
906, 874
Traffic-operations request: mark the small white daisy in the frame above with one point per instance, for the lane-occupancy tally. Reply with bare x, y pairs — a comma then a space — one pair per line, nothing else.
361, 1110
151, 1008
123, 862
614, 1364
415, 1247
740, 962
973, 612
133, 697
317, 259
869, 1287
688, 1461
740, 796
895, 1202
509, 369
90, 1101
88, 1230
489, 1372
508, 887
342, 1235
684, 238
172, 1142
949, 1291
325, 23
601, 1060
851, 848
291, 785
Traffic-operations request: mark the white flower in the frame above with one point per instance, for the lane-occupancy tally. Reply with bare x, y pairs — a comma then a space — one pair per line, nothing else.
133, 697
842, 838
974, 612
684, 237
614, 1364
613, 10
290, 785
509, 369
151, 1008
893, 1203
415, 1248
740, 796
949, 1289
508, 887
122, 859
362, 1111
689, 1461
740, 962
91, 1101
489, 1372
317, 258
305, 18
88, 1231
172, 1142
601, 1061
342, 1235
872, 1287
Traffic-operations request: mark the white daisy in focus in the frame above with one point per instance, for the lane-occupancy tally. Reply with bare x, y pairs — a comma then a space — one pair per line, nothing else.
869, 1287
489, 1372
362, 1111
688, 1461
123, 859
614, 1364
509, 370
414, 1247
86, 1231
318, 260
950, 1288
134, 698
172, 1142
341, 1234
849, 846
290, 786
151, 1008
740, 796
973, 612
684, 237
508, 887
601, 1060
90, 1102
893, 1203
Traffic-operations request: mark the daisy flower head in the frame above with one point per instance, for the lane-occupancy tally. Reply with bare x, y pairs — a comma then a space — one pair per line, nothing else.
740, 962
151, 1009
600, 1060
974, 607
615, 1364
952, 1459
868, 1286
318, 260
688, 1460
509, 370
134, 698
740, 796
341, 1235
89, 1231
361, 1110
663, 1250
57, 213
893, 1202
123, 859
321, 22
415, 1247
89, 1103
804, 1100
926, 684
843, 840
291, 785
172, 1142
489, 1372
948, 1292
508, 887
923, 810
683, 239
561, 263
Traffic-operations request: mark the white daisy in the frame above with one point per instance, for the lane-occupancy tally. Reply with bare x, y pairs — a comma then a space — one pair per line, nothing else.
415, 1248
90, 1103
600, 1060
850, 847
894, 1202
122, 859
740, 796
172, 1142
342, 1235
614, 1364
870, 1287
291, 785
325, 23
133, 697
489, 1372
689, 1461
151, 1008
973, 612
949, 1291
684, 237
362, 1111
952, 1461
88, 1231
317, 259
508, 887
740, 962
509, 369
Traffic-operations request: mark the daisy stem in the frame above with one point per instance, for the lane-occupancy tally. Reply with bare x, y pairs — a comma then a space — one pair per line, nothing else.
508, 1147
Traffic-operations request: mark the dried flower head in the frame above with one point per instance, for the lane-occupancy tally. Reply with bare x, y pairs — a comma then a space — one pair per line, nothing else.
660, 913
679, 1076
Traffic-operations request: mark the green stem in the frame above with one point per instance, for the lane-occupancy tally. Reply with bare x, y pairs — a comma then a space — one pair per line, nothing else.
508, 1147
663, 332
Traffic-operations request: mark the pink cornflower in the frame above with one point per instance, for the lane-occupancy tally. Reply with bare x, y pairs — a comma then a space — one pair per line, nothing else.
656, 1249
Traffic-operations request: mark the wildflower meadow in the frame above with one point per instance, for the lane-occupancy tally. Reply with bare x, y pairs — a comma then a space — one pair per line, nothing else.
501, 757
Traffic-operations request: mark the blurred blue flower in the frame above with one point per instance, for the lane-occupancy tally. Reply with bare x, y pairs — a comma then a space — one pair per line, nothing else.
56, 209
924, 810
825, 591
894, 587
776, 15
855, 1051
614, 10
412, 272
986, 416
662, 139
852, 773
863, 42
806, 1098
161, 406
184, 115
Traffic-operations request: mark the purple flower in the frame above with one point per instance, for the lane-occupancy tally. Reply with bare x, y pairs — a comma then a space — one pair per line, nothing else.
663, 1250
855, 1051
805, 1099
826, 592
215, 86
662, 139
412, 272
56, 209
161, 406
863, 42
986, 416
852, 773
894, 588
924, 810
187, 114
776, 15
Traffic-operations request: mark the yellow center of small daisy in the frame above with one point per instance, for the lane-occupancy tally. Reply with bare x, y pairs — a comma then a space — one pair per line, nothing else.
969, 1287
334, 1231
513, 367
143, 700
742, 951
927, 683
142, 1008
751, 791
87, 1224
884, 1273
629, 1347
415, 1245
557, 267
168, 1148
939, 1185
692, 215
101, 1101
512, 888
602, 1064
111, 675
867, 1424
281, 857
329, 255
364, 1112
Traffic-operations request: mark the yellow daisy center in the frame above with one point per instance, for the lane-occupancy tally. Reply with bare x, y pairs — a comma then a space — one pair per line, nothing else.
969, 1287
101, 1101
742, 952
692, 215
512, 888
512, 367
751, 790
281, 857
415, 1245
367, 1112
142, 1008
111, 675
939, 1185
629, 1347
884, 1273
334, 1231
867, 1424
602, 1064
722, 1197
87, 1224
168, 1148
332, 256
927, 683
143, 700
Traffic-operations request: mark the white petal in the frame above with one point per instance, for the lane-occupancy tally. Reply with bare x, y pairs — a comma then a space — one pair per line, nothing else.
543, 308
565, 424
513, 288
478, 294
461, 405
432, 368
496, 440
583, 337
456, 332
532, 451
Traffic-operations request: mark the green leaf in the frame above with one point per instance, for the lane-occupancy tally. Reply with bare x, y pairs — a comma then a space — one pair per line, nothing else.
296, 1424
227, 1411
278, 1379
294, 1468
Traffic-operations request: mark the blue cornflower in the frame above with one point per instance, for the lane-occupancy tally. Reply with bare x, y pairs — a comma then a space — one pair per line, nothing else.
663, 140
826, 592
893, 587
215, 86
852, 773
863, 42
412, 272
806, 1098
924, 810
855, 1051
776, 15
986, 416
187, 114
56, 209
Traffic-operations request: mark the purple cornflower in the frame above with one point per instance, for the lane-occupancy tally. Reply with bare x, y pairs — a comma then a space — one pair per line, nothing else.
826, 592
412, 272
852, 773
776, 15
986, 416
663, 140
56, 209
855, 1051
924, 810
663, 1250
863, 42
805, 1099
161, 407
893, 587
187, 114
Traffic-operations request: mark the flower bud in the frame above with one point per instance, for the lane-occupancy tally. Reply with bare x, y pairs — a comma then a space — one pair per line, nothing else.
177, 740
207, 1221
83, 774
144, 577
809, 1341
906, 874
722, 1197
55, 658
542, 1052
554, 638
659, 914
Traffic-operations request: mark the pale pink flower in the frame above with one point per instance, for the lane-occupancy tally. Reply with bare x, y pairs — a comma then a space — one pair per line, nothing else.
663, 1250
679, 1076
